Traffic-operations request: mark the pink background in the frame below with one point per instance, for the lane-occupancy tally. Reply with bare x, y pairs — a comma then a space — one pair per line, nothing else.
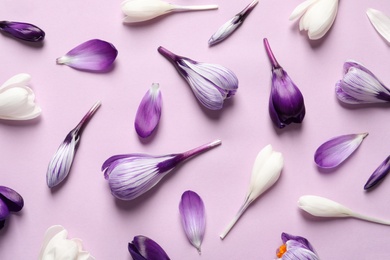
84, 205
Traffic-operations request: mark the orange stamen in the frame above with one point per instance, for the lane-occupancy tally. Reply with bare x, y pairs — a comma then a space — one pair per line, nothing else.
281, 251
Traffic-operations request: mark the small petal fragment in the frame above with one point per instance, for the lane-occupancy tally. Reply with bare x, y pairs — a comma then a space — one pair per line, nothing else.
381, 22
296, 247
336, 150
193, 217
10, 201
149, 112
378, 174
23, 31
93, 55
144, 248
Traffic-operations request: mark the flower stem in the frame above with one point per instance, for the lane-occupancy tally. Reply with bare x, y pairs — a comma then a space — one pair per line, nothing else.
236, 217
168, 54
370, 219
246, 11
80, 126
200, 149
180, 8
272, 59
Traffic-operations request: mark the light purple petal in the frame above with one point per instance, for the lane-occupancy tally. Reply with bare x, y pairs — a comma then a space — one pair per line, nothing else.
92, 55
378, 174
193, 217
305, 243
143, 247
149, 112
23, 31
344, 97
11, 198
333, 152
296, 251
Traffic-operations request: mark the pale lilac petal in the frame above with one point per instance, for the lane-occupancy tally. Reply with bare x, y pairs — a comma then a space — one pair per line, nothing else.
333, 152
92, 55
149, 112
381, 22
378, 174
193, 217
142, 248
296, 247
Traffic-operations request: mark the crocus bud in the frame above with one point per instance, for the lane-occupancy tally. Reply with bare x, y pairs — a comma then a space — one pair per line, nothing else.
23, 31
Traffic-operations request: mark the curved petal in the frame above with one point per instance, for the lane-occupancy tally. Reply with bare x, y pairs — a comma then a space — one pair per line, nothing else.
18, 103
4, 211
296, 251
144, 10
301, 9
23, 31
378, 174
18, 80
11, 198
143, 247
381, 22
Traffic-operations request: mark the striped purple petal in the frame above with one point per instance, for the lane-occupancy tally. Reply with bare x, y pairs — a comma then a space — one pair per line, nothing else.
378, 174
193, 217
23, 31
149, 112
144, 248
93, 55
333, 152
296, 247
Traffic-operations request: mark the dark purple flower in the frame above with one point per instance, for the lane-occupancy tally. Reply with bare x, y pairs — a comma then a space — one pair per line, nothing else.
92, 55
23, 31
295, 247
378, 174
144, 248
10, 201
286, 104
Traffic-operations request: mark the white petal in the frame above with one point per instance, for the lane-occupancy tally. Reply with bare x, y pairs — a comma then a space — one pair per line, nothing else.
18, 80
301, 9
381, 23
17, 103
50, 233
143, 10
322, 207
320, 17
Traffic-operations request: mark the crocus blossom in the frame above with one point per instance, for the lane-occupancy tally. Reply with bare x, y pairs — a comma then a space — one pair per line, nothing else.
286, 104
10, 201
336, 150
295, 247
211, 83
61, 162
193, 217
144, 248
265, 172
380, 21
144, 10
131, 175
24, 31
316, 16
379, 174
56, 246
93, 55
232, 25
149, 112
17, 101
360, 86
323, 207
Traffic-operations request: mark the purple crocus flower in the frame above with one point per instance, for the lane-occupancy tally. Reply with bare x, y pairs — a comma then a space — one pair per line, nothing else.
360, 86
10, 201
23, 31
295, 247
378, 174
149, 112
144, 248
211, 83
131, 175
286, 104
61, 162
193, 217
93, 55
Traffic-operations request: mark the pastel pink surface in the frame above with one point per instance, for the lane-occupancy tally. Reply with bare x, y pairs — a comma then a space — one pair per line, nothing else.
84, 205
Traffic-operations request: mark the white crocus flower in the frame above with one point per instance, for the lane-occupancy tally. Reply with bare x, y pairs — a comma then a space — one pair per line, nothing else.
317, 16
56, 246
17, 101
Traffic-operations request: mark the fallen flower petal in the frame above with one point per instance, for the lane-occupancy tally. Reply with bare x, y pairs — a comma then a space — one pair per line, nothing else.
232, 25
144, 248
378, 174
17, 101
323, 207
266, 171
144, 10
61, 162
93, 55
23, 31
295, 247
360, 86
131, 175
286, 104
336, 150
149, 112
193, 217
316, 16
57, 246
10, 201
211, 83
381, 22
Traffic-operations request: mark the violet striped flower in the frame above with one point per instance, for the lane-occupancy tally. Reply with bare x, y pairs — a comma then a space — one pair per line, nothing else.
336, 150
24, 31
61, 162
10, 201
131, 175
295, 247
211, 83
286, 104
149, 112
144, 248
360, 86
378, 174
193, 217
93, 55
